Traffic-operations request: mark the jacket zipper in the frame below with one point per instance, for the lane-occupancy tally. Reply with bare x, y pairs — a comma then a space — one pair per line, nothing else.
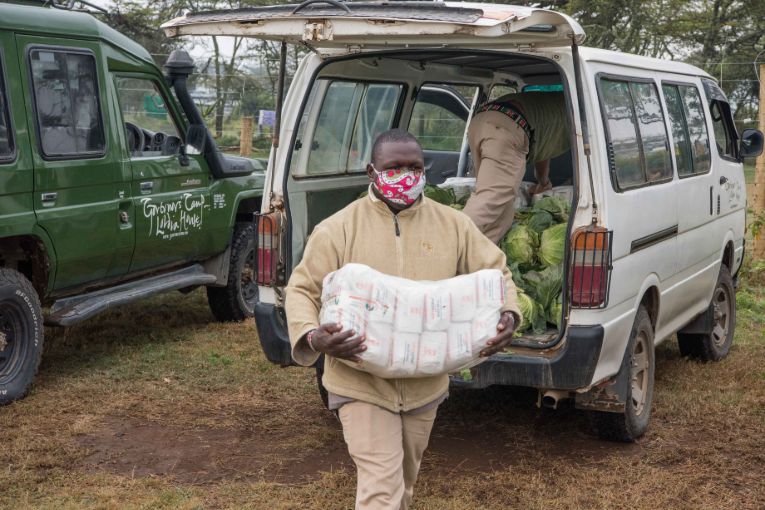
400, 265
395, 224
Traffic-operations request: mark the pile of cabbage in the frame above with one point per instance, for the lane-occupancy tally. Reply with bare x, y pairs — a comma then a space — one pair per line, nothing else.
535, 248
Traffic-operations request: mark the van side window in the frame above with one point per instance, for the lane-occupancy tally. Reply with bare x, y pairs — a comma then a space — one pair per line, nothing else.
6, 138
689, 130
440, 116
148, 124
724, 129
352, 114
66, 102
637, 138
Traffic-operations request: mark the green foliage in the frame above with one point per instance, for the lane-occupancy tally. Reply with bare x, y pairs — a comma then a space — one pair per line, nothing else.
442, 196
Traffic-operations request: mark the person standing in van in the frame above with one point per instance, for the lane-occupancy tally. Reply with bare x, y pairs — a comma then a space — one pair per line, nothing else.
503, 136
395, 230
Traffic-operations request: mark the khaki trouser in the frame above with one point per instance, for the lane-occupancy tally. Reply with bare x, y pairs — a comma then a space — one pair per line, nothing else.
499, 148
387, 449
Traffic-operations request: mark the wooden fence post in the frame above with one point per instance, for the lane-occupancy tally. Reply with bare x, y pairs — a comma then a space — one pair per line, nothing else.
759, 177
245, 137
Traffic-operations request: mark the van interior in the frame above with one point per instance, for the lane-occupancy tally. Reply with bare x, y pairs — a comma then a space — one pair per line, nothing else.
431, 93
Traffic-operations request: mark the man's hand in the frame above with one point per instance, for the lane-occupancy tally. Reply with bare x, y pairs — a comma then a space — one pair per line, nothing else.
505, 330
540, 188
333, 341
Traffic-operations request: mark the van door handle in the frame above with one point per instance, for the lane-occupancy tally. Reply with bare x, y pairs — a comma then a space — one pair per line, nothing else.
49, 197
146, 186
723, 180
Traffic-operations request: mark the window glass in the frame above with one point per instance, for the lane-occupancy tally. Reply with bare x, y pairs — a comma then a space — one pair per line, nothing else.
624, 149
440, 116
6, 139
66, 100
697, 129
375, 116
680, 136
148, 123
722, 120
653, 134
351, 116
333, 129
722, 137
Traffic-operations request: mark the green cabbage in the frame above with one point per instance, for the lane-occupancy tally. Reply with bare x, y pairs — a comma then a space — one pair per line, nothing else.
549, 286
520, 244
552, 245
441, 195
556, 206
555, 311
540, 221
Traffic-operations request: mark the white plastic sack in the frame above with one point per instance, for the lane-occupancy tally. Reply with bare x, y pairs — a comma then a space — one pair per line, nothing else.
414, 329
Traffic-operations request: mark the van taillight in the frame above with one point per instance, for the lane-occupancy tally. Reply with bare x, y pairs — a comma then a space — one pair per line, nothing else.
590, 274
269, 241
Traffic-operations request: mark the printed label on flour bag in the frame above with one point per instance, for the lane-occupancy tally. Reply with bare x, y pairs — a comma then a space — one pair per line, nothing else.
414, 329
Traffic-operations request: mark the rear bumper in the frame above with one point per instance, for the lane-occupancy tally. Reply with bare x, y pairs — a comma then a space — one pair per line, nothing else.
273, 334
569, 367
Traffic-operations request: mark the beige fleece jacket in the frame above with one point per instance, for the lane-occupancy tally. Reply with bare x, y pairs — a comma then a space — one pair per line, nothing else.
427, 241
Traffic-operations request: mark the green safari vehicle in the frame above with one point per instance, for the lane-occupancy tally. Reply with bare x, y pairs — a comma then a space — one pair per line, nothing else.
111, 187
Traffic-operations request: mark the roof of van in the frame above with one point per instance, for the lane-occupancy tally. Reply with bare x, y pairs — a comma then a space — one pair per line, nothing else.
640, 62
36, 20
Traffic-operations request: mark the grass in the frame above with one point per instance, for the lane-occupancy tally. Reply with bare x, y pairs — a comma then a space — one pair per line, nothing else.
154, 406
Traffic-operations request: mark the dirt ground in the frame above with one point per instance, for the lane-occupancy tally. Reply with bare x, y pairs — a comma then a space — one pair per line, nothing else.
154, 406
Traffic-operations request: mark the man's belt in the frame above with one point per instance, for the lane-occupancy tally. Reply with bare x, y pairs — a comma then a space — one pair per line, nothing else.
514, 115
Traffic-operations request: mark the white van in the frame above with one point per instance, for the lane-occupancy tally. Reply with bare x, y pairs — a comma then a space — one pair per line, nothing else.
656, 233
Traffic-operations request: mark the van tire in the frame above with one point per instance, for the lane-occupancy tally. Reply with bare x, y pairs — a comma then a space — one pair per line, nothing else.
236, 301
716, 345
632, 423
21, 335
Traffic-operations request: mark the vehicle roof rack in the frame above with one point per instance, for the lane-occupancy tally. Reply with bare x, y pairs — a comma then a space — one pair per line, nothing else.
70, 5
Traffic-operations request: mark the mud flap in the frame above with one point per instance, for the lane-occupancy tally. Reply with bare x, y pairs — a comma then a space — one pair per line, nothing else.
702, 324
609, 396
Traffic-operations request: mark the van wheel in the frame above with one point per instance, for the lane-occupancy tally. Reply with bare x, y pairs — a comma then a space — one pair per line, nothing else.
319, 376
716, 345
21, 335
236, 301
638, 364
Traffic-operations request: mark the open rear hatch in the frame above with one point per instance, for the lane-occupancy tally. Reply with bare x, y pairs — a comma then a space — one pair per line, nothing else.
334, 24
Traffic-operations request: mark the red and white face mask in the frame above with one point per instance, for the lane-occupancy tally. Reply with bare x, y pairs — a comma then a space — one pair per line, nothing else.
401, 186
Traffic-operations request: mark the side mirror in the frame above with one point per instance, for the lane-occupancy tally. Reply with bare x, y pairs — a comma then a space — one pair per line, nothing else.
751, 143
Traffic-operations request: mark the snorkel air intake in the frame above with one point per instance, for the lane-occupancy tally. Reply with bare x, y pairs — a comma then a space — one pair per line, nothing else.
178, 68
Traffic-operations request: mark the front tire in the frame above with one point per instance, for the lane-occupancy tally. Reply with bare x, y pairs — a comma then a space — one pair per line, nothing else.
715, 345
639, 365
21, 335
236, 301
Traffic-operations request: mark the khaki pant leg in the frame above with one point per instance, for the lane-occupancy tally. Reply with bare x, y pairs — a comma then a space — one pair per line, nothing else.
499, 147
416, 432
374, 439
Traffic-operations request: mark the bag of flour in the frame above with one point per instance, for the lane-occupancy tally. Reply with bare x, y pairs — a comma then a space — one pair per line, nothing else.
414, 329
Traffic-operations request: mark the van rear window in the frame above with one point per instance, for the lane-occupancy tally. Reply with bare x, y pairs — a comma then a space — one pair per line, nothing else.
638, 152
337, 137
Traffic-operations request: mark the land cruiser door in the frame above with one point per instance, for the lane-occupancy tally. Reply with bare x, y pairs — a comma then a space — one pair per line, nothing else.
79, 189
170, 190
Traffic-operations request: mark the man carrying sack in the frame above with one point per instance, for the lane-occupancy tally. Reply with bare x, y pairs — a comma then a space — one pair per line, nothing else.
503, 136
395, 230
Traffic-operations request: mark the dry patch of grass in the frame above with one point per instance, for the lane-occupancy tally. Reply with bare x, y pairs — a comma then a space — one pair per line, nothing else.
155, 406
